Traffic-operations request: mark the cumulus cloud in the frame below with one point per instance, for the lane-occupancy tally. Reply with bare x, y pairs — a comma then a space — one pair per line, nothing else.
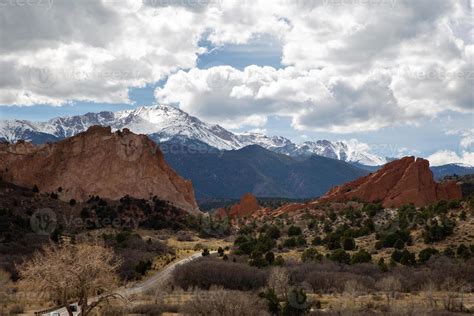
466, 137
91, 50
444, 157
349, 65
314, 99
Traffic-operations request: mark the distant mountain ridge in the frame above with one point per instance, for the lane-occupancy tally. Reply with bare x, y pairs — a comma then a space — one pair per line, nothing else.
254, 169
164, 123
439, 172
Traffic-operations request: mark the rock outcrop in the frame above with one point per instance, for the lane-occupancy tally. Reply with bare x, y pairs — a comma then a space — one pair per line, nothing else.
97, 162
246, 207
403, 181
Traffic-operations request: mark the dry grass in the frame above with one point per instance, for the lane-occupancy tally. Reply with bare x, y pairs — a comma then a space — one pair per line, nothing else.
376, 301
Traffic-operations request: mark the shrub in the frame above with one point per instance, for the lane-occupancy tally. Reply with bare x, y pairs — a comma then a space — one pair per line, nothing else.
273, 232
434, 232
389, 240
279, 261
426, 254
454, 204
348, 243
206, 272
372, 208
248, 244
258, 260
143, 266
332, 242
296, 303
270, 257
311, 254
273, 304
154, 309
362, 256
396, 256
224, 302
317, 241
399, 244
449, 252
341, 256
408, 258
294, 231
294, 242
463, 252
382, 265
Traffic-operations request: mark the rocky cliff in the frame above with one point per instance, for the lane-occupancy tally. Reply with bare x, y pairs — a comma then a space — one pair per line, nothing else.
247, 206
97, 162
403, 181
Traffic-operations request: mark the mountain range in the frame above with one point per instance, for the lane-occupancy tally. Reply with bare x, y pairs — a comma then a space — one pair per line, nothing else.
164, 123
223, 164
264, 173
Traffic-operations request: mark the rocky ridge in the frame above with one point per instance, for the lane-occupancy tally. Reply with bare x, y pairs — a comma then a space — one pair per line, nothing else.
403, 181
97, 163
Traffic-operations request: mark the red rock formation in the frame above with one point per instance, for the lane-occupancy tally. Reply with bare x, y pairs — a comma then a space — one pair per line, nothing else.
246, 207
403, 181
97, 162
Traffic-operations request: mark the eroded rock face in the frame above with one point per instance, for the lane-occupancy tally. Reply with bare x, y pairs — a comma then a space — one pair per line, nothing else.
97, 162
403, 181
247, 206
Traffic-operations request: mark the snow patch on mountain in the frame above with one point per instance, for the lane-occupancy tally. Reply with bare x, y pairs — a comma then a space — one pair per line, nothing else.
166, 122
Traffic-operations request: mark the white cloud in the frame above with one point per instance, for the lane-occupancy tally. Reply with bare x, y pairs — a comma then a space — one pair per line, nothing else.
313, 99
467, 141
444, 157
467, 137
92, 50
351, 65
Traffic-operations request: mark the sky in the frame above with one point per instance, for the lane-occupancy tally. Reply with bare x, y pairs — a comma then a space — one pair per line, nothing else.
394, 74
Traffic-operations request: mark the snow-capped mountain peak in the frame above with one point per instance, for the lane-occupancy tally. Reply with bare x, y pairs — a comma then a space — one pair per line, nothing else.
164, 123
269, 142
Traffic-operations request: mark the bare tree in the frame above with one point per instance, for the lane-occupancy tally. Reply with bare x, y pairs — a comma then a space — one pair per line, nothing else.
279, 280
224, 302
430, 287
72, 272
353, 288
390, 286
